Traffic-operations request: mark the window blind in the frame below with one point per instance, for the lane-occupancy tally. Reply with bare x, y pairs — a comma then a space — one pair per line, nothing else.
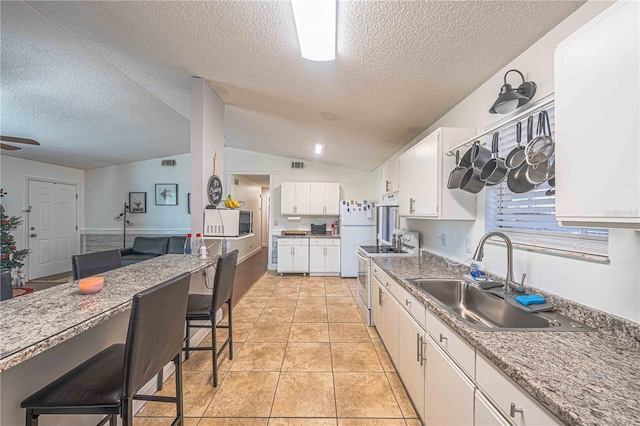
529, 219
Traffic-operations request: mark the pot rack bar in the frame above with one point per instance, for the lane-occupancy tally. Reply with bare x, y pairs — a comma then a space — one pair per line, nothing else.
541, 104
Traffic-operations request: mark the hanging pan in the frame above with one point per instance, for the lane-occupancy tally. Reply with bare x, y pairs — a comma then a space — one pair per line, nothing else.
516, 157
456, 175
495, 170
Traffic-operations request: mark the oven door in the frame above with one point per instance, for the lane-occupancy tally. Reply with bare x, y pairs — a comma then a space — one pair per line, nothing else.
363, 300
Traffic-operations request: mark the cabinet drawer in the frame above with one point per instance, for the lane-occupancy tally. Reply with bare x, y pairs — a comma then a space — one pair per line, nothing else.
504, 392
378, 273
317, 241
462, 353
285, 242
412, 305
300, 241
333, 241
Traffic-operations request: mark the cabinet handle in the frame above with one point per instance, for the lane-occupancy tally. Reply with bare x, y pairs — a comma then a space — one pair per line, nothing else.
422, 344
387, 284
418, 347
411, 202
407, 302
380, 296
442, 337
513, 410
386, 185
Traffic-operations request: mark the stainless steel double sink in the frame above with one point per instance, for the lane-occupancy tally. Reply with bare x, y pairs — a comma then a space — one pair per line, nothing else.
488, 312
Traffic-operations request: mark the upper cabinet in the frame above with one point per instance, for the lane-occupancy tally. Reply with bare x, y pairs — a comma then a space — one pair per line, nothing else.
389, 178
597, 131
310, 198
423, 173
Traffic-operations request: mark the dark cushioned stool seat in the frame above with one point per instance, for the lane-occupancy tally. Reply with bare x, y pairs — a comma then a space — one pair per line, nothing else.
199, 304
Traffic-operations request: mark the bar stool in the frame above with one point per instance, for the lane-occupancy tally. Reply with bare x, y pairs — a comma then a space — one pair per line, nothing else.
202, 307
107, 383
85, 265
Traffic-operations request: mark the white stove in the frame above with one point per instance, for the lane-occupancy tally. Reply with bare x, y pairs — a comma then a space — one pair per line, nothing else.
410, 247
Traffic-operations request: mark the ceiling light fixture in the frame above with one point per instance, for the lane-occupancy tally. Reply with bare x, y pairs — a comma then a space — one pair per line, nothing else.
509, 98
319, 148
316, 27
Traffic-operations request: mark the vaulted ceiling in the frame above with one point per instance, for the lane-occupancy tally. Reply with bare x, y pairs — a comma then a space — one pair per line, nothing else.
101, 83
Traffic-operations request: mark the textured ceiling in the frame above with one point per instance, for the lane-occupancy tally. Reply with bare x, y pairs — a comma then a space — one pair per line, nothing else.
110, 81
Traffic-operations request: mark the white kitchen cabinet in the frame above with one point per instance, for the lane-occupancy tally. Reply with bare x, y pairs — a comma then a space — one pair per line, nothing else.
449, 394
485, 413
597, 126
389, 178
325, 198
293, 255
463, 353
411, 360
423, 175
515, 403
387, 316
310, 198
324, 256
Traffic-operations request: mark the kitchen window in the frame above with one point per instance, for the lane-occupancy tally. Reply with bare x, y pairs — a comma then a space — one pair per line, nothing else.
529, 219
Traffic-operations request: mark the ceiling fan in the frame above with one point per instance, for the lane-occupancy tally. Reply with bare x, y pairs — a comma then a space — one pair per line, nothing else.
15, 140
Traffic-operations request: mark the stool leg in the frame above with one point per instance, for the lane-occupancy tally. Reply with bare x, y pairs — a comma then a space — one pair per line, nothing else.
179, 404
230, 331
113, 420
186, 346
31, 420
127, 412
214, 350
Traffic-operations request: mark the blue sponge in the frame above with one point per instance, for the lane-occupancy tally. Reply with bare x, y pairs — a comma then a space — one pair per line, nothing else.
530, 299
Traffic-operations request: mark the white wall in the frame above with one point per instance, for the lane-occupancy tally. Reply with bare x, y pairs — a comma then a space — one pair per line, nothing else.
613, 288
108, 189
264, 217
249, 192
13, 178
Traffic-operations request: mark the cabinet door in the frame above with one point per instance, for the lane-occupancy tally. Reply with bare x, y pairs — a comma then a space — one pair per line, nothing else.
376, 307
448, 398
332, 199
390, 319
287, 198
485, 414
426, 175
389, 177
332, 259
317, 259
301, 259
285, 258
411, 366
406, 183
316, 198
303, 197
595, 125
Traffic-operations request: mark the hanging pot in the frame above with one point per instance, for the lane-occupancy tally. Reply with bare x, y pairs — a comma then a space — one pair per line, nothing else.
541, 148
516, 157
495, 170
479, 155
539, 173
471, 181
456, 175
517, 180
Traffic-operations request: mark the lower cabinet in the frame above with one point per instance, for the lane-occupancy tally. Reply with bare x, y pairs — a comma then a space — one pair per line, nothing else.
448, 397
324, 256
293, 255
387, 314
411, 359
485, 414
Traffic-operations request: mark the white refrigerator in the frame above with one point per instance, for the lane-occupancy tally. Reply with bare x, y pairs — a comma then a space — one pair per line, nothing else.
357, 228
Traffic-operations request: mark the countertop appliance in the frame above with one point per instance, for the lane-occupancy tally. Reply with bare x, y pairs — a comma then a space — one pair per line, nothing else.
357, 227
227, 223
410, 246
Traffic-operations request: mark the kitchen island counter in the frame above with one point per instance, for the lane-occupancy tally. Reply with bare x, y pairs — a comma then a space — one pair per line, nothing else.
34, 323
583, 378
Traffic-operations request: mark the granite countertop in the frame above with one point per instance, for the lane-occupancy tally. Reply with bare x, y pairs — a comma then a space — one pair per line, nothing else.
327, 235
583, 378
38, 321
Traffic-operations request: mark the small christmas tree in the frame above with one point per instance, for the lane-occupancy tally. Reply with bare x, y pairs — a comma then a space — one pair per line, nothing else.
11, 257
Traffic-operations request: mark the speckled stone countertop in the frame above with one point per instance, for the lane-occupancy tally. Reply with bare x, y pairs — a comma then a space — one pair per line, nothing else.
583, 378
327, 235
38, 321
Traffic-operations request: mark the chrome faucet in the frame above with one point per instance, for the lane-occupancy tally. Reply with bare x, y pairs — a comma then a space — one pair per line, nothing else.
479, 254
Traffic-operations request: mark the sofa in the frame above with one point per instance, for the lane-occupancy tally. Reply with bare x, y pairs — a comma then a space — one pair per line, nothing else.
145, 248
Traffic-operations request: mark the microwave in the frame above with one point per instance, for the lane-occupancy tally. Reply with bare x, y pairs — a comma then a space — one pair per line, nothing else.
227, 223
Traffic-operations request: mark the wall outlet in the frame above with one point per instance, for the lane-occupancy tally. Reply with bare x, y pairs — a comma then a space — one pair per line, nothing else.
467, 245
443, 239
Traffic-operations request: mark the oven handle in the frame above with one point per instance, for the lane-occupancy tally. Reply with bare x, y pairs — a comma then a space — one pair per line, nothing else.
366, 259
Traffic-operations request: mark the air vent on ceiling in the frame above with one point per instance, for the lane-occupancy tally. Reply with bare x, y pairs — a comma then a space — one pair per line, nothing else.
170, 163
297, 165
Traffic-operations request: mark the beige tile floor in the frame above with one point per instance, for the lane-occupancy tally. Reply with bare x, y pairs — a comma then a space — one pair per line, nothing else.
302, 356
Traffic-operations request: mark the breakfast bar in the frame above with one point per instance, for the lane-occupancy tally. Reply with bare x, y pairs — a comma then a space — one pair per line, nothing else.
45, 334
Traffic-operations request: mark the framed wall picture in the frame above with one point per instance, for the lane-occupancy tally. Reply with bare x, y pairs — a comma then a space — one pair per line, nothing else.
137, 202
166, 194
189, 203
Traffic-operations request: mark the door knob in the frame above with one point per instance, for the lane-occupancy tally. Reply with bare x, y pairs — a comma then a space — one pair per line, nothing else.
33, 235
33, 228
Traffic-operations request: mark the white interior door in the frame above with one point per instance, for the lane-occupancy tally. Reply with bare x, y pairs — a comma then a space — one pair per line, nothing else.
53, 233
